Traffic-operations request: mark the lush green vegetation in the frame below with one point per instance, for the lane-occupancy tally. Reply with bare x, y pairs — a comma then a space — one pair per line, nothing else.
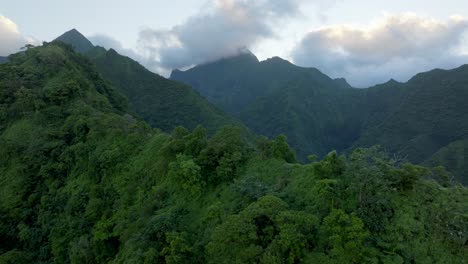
162, 103
83, 181
412, 120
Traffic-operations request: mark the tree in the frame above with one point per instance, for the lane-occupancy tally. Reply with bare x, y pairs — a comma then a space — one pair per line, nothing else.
345, 235
178, 249
186, 174
281, 150
330, 167
224, 153
408, 176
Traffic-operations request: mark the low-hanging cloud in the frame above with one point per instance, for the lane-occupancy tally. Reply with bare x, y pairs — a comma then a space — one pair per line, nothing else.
108, 42
111, 43
10, 38
224, 29
397, 47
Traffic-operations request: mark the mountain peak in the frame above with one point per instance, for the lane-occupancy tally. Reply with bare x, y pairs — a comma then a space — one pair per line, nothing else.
79, 42
243, 59
276, 59
73, 31
244, 55
392, 82
342, 82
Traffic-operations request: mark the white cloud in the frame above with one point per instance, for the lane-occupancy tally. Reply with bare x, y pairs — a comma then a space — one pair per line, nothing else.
223, 29
396, 47
10, 38
111, 43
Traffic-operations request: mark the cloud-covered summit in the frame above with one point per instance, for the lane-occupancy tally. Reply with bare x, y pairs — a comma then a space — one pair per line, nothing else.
222, 29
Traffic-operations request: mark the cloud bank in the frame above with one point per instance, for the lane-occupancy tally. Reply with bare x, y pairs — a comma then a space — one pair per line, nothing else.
223, 29
10, 38
396, 47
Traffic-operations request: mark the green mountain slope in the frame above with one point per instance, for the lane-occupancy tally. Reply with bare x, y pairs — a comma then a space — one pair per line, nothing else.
82, 181
272, 97
430, 115
235, 82
318, 114
160, 102
315, 114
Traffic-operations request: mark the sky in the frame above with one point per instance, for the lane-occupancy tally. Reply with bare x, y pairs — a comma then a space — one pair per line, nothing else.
365, 41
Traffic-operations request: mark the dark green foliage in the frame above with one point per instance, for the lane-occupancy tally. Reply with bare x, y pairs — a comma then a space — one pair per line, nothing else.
344, 236
224, 154
266, 232
281, 150
83, 181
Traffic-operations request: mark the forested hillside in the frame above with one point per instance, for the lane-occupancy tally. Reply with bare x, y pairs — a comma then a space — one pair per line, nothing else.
412, 120
162, 103
84, 181
430, 115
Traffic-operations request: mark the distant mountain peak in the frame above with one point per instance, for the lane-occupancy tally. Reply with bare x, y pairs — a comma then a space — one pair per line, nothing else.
175, 74
276, 59
242, 55
112, 51
342, 82
79, 42
243, 59
392, 82
73, 31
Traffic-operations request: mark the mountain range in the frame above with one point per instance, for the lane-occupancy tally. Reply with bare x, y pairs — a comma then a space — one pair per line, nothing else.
413, 120
421, 120
87, 176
